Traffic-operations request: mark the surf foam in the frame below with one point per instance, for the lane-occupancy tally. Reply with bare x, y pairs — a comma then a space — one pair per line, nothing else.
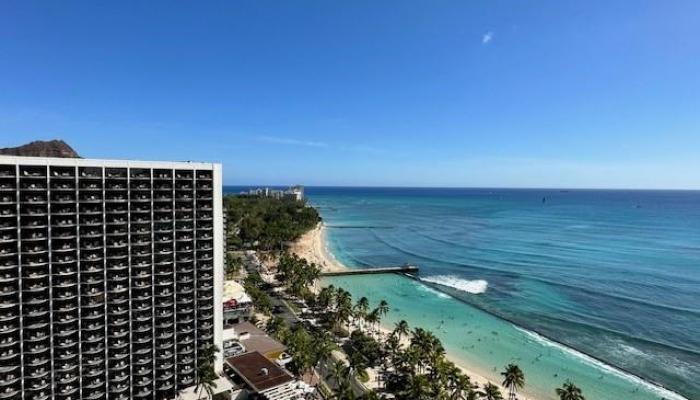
477, 286
602, 366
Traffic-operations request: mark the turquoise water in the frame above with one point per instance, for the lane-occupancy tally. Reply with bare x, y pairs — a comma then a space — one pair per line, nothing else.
612, 274
486, 343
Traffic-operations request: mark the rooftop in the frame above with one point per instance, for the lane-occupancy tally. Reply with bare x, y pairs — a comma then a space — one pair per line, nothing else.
256, 340
234, 291
104, 163
258, 372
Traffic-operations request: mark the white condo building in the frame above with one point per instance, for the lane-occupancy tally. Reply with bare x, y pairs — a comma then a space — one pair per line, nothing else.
110, 276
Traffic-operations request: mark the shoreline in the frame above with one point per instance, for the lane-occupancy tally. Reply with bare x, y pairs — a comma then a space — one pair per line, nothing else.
313, 247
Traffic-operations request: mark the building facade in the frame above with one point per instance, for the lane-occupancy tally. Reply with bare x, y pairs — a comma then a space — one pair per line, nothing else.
110, 276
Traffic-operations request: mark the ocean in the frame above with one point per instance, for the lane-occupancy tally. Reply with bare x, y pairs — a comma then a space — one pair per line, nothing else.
569, 284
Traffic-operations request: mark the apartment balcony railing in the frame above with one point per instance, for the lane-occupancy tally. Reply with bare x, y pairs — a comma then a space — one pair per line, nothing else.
116, 174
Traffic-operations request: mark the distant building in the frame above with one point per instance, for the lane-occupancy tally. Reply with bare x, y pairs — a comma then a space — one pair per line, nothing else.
295, 192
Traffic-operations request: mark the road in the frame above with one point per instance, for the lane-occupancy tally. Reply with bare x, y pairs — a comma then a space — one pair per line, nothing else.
288, 315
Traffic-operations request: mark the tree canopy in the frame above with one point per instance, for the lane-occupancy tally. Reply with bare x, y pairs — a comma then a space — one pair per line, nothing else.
266, 223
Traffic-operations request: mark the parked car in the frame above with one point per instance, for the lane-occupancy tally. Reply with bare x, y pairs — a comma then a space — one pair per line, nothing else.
283, 359
233, 348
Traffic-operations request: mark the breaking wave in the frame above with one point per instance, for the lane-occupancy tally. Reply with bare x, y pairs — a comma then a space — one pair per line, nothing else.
477, 286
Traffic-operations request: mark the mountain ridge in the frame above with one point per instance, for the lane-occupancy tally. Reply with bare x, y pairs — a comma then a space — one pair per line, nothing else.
41, 148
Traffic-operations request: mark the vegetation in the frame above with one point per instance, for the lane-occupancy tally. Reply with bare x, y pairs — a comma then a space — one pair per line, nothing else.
253, 285
266, 223
297, 274
569, 391
206, 375
513, 379
308, 349
365, 350
491, 392
234, 263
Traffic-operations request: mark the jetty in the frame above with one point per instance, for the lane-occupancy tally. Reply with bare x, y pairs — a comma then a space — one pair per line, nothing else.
401, 269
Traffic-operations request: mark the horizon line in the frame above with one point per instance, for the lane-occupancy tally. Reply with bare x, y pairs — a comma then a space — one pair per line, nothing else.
467, 187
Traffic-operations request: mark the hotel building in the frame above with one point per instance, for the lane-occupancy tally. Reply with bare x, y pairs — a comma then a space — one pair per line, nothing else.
110, 276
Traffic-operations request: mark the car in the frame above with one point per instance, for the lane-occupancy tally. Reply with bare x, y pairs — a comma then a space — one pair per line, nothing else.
283, 359
233, 348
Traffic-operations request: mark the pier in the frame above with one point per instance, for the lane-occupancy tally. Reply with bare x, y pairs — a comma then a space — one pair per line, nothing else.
402, 269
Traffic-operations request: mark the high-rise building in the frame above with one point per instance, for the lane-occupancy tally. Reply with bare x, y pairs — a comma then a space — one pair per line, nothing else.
110, 276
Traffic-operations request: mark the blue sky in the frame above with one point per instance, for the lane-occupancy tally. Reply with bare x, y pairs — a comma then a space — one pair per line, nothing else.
417, 93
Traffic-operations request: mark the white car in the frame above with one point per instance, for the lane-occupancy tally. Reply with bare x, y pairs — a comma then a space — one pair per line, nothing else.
233, 348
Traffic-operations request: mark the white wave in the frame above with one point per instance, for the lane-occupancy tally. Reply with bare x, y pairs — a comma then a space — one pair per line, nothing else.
600, 365
470, 286
430, 290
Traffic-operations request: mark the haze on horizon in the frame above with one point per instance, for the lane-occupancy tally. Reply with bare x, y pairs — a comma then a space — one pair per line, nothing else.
397, 93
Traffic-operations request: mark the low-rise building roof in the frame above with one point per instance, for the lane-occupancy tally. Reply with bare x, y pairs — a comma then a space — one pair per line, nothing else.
234, 292
258, 372
254, 339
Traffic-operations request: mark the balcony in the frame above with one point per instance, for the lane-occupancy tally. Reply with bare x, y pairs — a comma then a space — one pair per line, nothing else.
140, 174
7, 187
92, 360
36, 360
93, 329
116, 174
90, 198
141, 198
10, 356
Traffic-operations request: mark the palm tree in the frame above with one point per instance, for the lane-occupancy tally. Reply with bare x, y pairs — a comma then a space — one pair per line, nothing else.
344, 391
401, 329
491, 392
372, 319
569, 391
361, 309
326, 296
419, 388
513, 379
383, 308
337, 372
205, 371
343, 306
275, 325
342, 314
323, 347
206, 378
462, 387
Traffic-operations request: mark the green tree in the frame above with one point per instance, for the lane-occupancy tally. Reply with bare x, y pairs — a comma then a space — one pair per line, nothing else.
233, 266
266, 223
491, 392
361, 309
297, 274
569, 391
277, 328
401, 329
372, 319
326, 296
337, 372
206, 375
323, 347
383, 308
513, 379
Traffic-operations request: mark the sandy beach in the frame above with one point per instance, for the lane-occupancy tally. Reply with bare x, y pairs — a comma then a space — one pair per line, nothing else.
312, 246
